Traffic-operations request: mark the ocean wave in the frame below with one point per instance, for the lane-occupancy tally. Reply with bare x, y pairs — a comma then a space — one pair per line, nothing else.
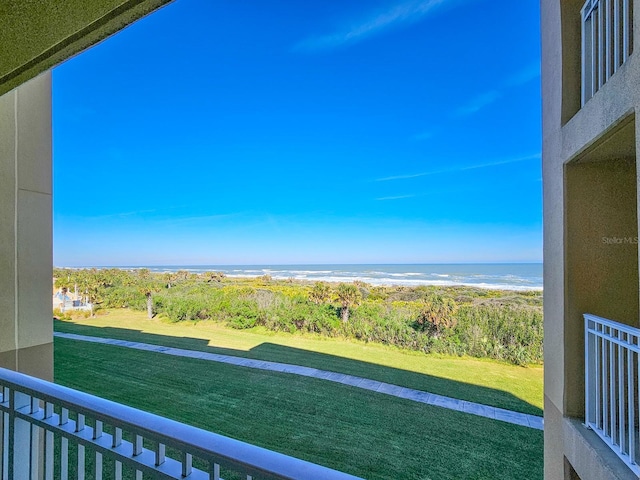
389, 282
517, 277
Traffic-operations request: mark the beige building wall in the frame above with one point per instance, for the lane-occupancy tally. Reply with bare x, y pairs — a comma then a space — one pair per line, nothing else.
590, 179
26, 327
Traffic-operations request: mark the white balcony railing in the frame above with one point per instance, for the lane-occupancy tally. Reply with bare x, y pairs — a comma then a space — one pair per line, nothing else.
607, 41
48, 431
612, 409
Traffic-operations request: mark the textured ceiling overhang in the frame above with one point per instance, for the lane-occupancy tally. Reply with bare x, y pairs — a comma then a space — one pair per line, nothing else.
36, 35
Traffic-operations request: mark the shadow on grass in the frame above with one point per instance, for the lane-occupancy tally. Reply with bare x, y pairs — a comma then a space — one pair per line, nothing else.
284, 354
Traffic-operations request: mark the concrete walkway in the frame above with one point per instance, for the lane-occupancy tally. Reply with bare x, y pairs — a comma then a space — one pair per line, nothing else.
495, 413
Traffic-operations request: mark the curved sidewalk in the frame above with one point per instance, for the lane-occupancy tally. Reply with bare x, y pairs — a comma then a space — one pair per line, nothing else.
531, 421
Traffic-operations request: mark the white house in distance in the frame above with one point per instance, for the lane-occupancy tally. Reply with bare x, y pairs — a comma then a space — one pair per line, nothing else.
65, 300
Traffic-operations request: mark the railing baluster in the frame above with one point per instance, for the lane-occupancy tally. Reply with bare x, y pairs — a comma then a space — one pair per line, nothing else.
64, 416
605, 385
612, 388
49, 450
600, 61
160, 454
117, 470
606, 4
137, 445
97, 433
592, 48
34, 467
4, 450
116, 437
588, 371
64, 458
81, 462
5, 440
80, 423
626, 28
597, 381
215, 472
187, 466
583, 59
630, 409
48, 410
616, 35
20, 436
98, 464
634, 428
632, 404
621, 397
97, 430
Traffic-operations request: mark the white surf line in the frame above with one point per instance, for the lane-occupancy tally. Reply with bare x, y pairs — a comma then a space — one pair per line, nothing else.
495, 413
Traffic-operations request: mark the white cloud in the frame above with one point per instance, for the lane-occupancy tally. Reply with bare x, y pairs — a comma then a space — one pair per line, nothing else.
400, 14
525, 75
401, 177
478, 103
528, 73
397, 197
460, 168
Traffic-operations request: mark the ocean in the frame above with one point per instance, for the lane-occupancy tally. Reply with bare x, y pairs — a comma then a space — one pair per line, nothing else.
504, 276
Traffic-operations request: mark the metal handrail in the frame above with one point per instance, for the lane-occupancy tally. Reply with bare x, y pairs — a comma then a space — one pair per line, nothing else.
607, 41
612, 356
217, 450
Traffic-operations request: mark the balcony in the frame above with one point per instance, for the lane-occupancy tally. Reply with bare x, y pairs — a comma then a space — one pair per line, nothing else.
607, 41
49, 431
611, 386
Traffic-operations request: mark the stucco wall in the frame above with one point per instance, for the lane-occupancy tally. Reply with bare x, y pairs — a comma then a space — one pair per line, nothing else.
26, 234
575, 259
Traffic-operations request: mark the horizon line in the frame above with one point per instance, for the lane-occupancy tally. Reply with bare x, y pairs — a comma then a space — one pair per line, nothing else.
292, 264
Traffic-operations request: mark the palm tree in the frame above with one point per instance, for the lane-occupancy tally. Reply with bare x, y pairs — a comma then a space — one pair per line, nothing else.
320, 293
213, 276
182, 274
144, 273
91, 283
349, 296
169, 278
438, 313
147, 289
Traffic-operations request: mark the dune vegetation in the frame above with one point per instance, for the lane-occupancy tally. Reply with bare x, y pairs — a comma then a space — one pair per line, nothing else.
503, 325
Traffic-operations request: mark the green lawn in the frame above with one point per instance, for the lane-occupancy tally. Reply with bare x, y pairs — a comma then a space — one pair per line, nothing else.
364, 433
483, 381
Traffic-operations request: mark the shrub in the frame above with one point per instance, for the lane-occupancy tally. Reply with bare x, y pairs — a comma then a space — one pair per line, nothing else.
320, 293
60, 315
243, 313
437, 314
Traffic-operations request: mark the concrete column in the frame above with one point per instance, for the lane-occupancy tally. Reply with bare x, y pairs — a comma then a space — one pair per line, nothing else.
556, 109
26, 327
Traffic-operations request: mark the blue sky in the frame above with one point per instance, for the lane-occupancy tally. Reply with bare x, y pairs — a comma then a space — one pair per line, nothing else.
303, 132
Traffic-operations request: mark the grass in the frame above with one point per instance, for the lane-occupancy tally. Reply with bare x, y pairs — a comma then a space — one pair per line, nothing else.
483, 381
361, 432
